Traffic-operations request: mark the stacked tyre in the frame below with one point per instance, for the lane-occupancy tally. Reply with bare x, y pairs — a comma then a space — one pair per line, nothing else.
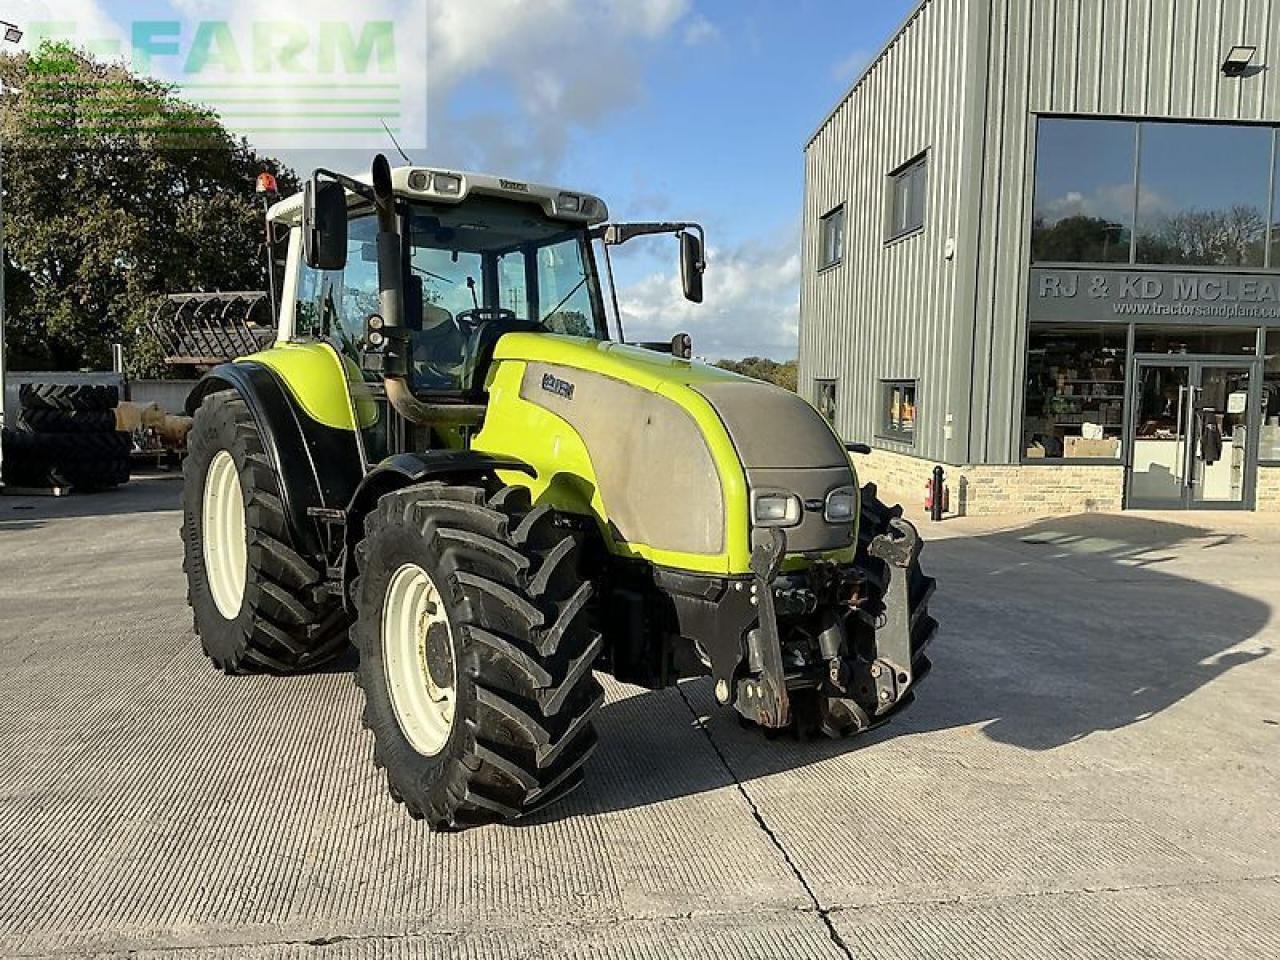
65, 435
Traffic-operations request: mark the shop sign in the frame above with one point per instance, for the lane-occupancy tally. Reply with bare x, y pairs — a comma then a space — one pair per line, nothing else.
1124, 295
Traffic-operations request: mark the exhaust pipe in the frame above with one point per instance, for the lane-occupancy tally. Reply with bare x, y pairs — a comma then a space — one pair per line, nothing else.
391, 303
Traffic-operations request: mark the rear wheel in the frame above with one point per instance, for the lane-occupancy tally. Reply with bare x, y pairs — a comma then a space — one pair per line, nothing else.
258, 605
475, 652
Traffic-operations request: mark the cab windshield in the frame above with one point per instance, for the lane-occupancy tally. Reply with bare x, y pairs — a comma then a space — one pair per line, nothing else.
473, 271
497, 254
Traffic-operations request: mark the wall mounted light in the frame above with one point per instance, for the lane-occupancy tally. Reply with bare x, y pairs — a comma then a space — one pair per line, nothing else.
1238, 60
12, 32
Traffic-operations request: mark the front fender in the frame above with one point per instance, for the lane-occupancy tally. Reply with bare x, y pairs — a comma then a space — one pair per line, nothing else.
404, 469
316, 466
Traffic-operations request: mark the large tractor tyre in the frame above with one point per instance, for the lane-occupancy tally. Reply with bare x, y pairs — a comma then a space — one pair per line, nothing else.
86, 461
94, 474
43, 420
68, 396
22, 465
476, 652
258, 605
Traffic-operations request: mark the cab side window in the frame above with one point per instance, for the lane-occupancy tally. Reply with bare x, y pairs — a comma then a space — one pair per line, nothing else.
334, 304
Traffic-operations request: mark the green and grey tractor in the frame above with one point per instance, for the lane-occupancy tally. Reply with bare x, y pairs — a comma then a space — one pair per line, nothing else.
447, 460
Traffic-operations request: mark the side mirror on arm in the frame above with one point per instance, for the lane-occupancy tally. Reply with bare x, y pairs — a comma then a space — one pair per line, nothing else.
692, 264
324, 224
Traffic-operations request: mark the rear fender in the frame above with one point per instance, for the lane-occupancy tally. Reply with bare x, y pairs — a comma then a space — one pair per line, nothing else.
318, 466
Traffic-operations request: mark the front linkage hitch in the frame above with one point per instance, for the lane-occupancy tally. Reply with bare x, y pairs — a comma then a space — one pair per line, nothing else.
860, 691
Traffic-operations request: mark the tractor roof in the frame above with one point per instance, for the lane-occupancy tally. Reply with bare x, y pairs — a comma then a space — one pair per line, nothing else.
454, 186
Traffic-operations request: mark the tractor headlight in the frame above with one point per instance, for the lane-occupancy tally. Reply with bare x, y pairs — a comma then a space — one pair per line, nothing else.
841, 504
774, 508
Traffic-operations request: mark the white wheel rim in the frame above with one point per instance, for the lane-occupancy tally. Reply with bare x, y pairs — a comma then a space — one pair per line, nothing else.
412, 616
226, 555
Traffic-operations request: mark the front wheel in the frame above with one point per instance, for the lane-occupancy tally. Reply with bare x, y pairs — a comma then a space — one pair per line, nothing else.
475, 652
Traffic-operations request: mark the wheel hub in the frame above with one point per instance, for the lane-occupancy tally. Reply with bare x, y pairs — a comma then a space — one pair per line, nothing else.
417, 654
223, 540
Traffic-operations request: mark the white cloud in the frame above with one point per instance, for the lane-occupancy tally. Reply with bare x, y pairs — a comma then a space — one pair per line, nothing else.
410, 31
1113, 201
89, 19
700, 30
566, 65
751, 304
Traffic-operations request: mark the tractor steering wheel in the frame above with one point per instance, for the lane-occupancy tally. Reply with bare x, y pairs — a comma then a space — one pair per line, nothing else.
469, 321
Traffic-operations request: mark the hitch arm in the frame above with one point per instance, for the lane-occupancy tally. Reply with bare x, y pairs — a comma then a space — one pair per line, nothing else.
765, 700
892, 671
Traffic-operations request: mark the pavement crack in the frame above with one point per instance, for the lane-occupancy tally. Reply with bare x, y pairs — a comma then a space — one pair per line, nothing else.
822, 912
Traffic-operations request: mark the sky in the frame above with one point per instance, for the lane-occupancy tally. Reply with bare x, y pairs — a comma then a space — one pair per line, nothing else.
668, 109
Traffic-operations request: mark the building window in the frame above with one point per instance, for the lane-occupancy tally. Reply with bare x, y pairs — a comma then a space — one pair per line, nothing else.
899, 411
1203, 194
1074, 403
907, 188
824, 398
831, 238
1083, 209
1153, 193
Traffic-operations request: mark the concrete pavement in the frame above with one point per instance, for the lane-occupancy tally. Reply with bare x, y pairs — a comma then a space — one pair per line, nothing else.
1091, 769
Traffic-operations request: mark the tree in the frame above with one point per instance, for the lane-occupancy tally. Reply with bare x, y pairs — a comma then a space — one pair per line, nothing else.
1231, 237
1080, 239
762, 368
115, 192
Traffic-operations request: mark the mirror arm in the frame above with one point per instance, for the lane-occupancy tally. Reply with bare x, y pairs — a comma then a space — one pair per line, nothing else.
351, 186
614, 234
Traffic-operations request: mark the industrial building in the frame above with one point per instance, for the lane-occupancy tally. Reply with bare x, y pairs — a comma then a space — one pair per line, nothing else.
1042, 249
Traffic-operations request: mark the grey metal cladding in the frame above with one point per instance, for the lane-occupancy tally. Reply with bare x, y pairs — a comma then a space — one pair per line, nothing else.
772, 427
891, 310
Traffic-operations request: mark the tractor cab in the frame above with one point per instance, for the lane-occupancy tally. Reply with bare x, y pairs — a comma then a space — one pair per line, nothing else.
416, 276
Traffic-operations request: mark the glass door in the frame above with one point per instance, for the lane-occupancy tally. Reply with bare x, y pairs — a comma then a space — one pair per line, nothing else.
1158, 451
1221, 462
1191, 431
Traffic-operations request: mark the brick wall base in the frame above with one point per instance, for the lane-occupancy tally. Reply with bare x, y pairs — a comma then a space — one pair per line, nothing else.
989, 490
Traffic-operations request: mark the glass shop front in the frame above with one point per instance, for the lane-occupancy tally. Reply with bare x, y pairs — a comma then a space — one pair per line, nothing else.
1153, 325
